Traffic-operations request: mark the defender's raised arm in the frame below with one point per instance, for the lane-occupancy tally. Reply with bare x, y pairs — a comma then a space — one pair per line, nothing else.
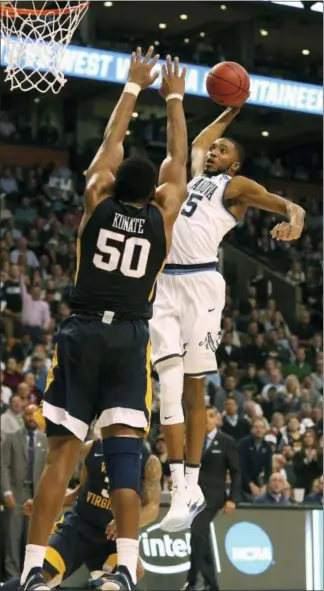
101, 172
173, 173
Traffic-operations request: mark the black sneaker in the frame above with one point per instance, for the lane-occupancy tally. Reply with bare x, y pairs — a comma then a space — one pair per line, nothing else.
119, 580
34, 582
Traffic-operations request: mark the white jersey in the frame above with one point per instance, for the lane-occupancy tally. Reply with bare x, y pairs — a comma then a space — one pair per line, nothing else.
202, 222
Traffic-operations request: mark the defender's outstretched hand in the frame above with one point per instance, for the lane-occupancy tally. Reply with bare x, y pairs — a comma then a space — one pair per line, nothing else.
173, 81
140, 70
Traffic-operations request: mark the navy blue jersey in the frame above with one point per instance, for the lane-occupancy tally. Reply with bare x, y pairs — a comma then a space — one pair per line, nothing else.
120, 253
93, 504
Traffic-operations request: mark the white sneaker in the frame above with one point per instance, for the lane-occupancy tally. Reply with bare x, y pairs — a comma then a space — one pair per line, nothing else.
178, 515
196, 502
185, 505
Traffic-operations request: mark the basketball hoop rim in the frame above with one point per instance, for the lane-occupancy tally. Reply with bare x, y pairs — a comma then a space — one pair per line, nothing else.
11, 11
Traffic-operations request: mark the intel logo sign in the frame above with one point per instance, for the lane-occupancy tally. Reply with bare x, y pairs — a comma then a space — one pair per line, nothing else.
165, 554
249, 548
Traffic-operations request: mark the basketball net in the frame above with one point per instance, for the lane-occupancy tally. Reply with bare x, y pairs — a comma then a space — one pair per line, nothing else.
35, 41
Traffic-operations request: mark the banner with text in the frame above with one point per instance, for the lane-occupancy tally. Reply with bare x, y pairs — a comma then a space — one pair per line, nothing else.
109, 66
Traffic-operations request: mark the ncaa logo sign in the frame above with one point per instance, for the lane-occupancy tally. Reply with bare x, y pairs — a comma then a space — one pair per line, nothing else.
164, 554
249, 548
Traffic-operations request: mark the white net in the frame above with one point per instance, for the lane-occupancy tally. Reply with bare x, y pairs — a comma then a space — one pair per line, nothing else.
34, 42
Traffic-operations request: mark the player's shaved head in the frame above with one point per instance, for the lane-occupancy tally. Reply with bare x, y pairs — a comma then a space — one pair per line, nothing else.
135, 181
240, 152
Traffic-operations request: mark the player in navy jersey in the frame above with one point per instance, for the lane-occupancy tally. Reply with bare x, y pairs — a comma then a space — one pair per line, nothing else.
86, 533
101, 365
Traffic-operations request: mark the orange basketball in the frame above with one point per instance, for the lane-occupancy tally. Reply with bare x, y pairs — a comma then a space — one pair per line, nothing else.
228, 84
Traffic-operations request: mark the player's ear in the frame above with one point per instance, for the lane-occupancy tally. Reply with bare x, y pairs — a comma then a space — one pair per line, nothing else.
236, 166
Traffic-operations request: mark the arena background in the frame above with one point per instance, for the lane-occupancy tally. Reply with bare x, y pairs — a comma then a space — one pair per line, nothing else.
46, 143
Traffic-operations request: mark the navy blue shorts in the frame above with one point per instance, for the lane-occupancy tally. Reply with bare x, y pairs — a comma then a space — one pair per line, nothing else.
101, 371
75, 543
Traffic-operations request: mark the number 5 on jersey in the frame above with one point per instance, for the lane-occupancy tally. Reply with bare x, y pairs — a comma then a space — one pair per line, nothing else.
122, 257
191, 204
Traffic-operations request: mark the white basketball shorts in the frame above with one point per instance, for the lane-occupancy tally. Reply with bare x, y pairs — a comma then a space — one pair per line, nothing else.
187, 320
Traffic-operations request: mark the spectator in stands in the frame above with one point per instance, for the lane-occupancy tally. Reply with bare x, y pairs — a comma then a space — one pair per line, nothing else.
23, 252
250, 379
277, 169
293, 433
11, 420
262, 285
252, 409
275, 491
276, 426
316, 497
304, 329
256, 352
10, 228
11, 375
22, 348
296, 275
38, 350
39, 370
23, 460
8, 183
308, 462
11, 295
228, 326
227, 352
289, 399
300, 367
23, 392
234, 425
25, 213
256, 460
6, 392
229, 389
317, 376
275, 382
35, 314
315, 349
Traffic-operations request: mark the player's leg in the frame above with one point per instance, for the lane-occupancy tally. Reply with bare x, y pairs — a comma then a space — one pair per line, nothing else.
62, 455
194, 401
124, 408
167, 357
67, 550
68, 411
207, 296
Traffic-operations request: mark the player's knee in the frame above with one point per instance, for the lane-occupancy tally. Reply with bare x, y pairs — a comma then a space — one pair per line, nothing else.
171, 384
123, 460
54, 567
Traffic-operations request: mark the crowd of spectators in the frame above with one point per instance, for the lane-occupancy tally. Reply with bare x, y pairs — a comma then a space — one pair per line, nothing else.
269, 389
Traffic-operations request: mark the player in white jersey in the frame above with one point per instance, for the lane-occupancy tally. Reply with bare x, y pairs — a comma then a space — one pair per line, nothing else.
185, 329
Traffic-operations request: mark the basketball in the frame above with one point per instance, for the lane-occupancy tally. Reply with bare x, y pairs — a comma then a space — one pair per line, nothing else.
228, 84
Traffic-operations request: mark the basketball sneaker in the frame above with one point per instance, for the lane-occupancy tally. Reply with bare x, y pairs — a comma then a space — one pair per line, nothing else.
119, 580
185, 505
34, 582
